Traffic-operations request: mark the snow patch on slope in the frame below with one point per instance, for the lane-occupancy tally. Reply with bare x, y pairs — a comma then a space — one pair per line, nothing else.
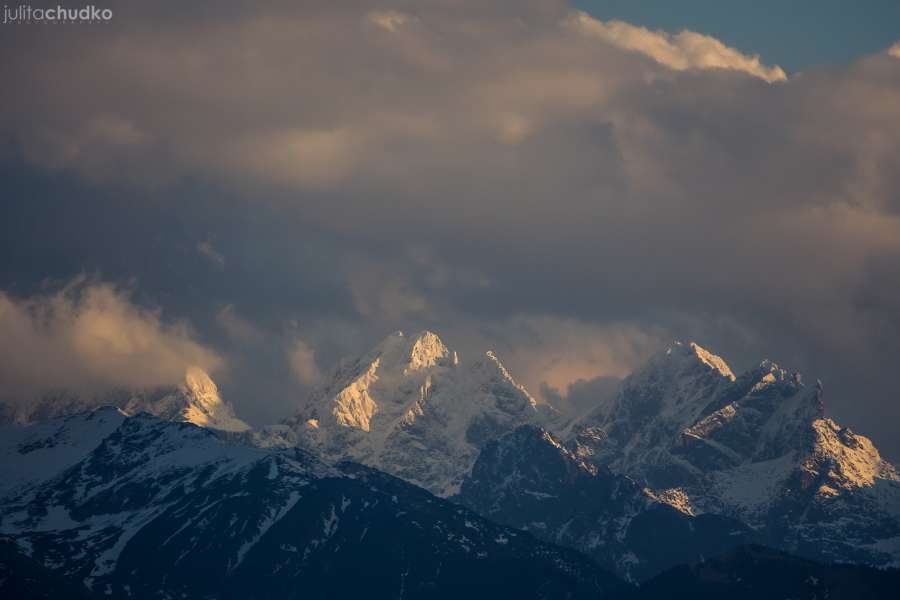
36, 453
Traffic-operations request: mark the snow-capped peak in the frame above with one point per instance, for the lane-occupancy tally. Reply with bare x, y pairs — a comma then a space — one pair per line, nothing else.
427, 351
200, 384
757, 447
204, 406
693, 352
410, 407
493, 360
409, 353
195, 399
844, 460
685, 412
672, 389
712, 360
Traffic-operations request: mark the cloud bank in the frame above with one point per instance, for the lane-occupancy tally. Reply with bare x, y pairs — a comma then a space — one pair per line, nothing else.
486, 170
90, 337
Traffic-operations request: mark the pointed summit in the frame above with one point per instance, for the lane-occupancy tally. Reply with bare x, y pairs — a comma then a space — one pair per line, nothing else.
409, 353
653, 408
195, 399
427, 351
204, 406
493, 363
690, 354
411, 408
757, 447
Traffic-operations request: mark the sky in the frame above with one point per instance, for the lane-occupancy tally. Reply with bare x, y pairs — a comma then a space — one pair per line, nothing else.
796, 34
264, 191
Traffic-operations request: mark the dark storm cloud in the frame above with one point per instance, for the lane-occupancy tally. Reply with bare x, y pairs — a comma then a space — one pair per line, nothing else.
298, 181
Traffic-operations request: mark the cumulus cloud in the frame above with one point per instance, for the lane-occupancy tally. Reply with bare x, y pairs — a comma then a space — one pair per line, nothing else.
89, 337
438, 75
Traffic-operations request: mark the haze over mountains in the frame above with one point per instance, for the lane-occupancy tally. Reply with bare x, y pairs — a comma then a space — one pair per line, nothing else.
419, 469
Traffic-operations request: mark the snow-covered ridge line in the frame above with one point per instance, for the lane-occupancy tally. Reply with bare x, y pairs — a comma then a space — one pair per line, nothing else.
758, 447
155, 508
196, 399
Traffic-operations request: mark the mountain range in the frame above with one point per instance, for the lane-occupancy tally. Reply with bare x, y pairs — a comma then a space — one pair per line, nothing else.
195, 399
168, 509
412, 472
757, 447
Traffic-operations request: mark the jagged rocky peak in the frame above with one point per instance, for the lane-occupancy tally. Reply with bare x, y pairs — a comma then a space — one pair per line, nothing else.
685, 414
427, 351
493, 370
411, 353
654, 404
201, 385
674, 384
705, 357
842, 460
685, 358
205, 406
410, 407
368, 386
757, 447
769, 374
195, 400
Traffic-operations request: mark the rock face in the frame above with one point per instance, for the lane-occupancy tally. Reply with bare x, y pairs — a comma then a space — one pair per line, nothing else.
25, 579
528, 480
411, 408
164, 509
757, 448
754, 572
195, 400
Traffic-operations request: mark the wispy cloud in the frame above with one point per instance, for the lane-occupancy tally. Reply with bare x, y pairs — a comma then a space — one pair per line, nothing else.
90, 336
207, 250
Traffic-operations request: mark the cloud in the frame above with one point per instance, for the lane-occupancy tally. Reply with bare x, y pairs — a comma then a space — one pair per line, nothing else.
551, 353
298, 124
582, 395
302, 360
382, 293
391, 20
90, 336
237, 328
685, 50
894, 50
207, 250
571, 192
